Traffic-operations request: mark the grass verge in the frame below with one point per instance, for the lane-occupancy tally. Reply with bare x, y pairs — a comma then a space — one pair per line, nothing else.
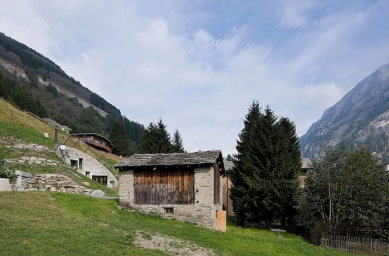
41, 223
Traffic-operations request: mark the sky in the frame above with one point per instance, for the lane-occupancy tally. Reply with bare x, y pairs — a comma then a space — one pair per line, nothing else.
199, 65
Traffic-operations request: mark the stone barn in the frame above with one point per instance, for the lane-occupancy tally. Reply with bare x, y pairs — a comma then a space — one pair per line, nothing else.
184, 186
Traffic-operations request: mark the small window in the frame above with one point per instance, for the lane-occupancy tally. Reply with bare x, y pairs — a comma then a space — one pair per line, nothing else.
169, 210
97, 141
80, 163
74, 164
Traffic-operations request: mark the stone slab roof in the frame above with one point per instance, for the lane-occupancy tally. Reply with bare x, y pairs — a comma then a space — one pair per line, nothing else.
228, 165
306, 163
174, 159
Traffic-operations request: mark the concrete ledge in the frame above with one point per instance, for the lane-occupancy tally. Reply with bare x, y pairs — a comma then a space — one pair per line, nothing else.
5, 185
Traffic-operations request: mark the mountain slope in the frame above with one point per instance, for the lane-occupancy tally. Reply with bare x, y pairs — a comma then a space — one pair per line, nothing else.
36, 84
360, 117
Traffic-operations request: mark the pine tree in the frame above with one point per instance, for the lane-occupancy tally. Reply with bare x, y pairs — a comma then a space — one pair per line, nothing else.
239, 174
156, 139
119, 138
263, 182
287, 166
148, 143
178, 147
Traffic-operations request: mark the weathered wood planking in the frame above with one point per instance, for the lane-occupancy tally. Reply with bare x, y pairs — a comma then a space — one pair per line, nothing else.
167, 186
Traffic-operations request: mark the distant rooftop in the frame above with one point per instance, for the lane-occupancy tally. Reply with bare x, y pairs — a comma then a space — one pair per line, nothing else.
306, 163
90, 134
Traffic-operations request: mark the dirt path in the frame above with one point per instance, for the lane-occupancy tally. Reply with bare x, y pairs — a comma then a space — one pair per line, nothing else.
170, 245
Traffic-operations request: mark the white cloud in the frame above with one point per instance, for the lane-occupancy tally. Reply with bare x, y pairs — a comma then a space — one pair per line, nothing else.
332, 39
323, 95
21, 20
293, 13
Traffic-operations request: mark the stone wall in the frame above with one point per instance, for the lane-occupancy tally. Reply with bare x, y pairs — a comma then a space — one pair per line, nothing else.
46, 182
53, 183
33, 160
126, 188
202, 212
29, 146
50, 182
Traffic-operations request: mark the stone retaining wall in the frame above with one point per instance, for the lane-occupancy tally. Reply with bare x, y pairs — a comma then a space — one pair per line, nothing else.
46, 182
54, 183
33, 160
29, 146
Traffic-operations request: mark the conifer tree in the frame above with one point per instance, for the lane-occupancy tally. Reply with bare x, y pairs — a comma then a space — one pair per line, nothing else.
148, 142
287, 166
178, 147
240, 173
119, 138
156, 139
229, 157
263, 182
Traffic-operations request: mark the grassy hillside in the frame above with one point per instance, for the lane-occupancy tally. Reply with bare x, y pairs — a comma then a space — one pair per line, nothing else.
17, 127
42, 223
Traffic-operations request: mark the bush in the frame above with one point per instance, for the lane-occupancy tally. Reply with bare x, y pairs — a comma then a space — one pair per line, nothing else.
8, 174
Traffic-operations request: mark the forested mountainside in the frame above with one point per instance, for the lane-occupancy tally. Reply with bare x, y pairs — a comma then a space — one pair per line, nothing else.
360, 117
36, 84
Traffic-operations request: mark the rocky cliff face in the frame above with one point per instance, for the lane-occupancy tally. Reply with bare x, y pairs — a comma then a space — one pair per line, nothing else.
54, 79
360, 117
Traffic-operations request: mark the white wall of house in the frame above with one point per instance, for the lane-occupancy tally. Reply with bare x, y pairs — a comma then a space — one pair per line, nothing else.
86, 165
202, 212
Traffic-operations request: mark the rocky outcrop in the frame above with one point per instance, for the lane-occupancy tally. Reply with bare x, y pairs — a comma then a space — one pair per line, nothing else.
56, 80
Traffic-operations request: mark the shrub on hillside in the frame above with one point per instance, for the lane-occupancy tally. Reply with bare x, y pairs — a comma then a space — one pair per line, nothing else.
7, 174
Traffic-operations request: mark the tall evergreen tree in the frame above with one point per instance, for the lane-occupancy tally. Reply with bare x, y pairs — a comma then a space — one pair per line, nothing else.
287, 166
240, 173
156, 139
118, 136
178, 147
263, 182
